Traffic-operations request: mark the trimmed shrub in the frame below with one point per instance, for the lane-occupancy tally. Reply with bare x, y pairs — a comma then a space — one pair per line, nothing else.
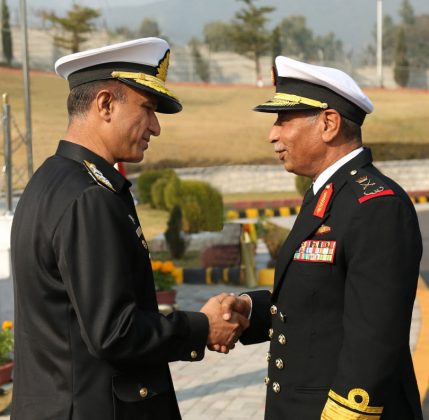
157, 193
302, 184
147, 179
202, 207
173, 235
172, 193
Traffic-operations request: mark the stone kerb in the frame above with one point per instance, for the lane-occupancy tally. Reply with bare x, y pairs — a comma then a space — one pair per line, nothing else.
242, 178
229, 235
412, 175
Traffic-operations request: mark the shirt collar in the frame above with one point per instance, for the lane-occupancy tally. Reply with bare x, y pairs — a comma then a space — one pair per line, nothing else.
79, 154
328, 172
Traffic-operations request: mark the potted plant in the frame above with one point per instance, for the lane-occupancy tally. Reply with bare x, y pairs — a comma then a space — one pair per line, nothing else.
6, 348
164, 277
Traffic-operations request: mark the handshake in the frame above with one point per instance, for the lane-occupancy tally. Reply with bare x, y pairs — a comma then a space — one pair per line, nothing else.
228, 318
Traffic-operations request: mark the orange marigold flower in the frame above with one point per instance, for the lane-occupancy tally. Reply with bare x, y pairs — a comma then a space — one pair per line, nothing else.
7, 325
156, 265
167, 267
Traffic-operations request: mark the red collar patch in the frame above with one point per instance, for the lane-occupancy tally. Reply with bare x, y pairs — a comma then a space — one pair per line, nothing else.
324, 199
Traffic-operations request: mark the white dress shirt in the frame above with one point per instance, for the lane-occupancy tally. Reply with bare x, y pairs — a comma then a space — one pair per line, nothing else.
328, 172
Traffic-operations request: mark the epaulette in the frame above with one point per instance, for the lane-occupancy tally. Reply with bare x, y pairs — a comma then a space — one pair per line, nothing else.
367, 186
98, 176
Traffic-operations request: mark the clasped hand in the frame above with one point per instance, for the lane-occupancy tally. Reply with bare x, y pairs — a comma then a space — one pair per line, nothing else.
228, 318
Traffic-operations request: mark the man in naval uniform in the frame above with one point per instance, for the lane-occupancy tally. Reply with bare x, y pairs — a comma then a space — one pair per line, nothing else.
338, 318
90, 343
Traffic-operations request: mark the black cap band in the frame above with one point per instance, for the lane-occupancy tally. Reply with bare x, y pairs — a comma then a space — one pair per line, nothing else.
323, 94
104, 72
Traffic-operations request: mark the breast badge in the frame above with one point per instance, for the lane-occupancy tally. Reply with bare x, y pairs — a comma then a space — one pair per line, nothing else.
323, 230
316, 251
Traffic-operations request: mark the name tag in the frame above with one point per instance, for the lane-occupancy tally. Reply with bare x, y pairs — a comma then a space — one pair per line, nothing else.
316, 251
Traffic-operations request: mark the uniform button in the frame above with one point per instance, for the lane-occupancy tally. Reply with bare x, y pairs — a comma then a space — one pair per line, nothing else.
276, 387
268, 356
270, 332
266, 380
354, 172
282, 339
279, 364
273, 309
143, 392
194, 354
282, 317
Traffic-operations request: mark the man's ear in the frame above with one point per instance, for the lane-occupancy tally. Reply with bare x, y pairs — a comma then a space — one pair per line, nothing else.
331, 125
104, 104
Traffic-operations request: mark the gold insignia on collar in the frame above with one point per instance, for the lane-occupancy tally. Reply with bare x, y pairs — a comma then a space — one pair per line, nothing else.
98, 176
362, 179
163, 67
323, 230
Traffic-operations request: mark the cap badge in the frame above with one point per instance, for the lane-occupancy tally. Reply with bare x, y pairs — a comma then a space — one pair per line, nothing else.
163, 67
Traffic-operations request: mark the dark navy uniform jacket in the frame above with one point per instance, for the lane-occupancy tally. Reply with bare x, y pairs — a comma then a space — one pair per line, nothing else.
340, 312
89, 341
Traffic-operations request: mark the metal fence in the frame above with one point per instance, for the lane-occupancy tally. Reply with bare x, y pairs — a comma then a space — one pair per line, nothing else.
14, 174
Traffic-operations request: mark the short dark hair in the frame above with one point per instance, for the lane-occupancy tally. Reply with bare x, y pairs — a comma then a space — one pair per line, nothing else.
351, 130
81, 97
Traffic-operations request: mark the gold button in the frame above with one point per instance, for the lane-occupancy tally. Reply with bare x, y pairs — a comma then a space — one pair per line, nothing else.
273, 309
194, 354
268, 356
266, 380
270, 332
276, 387
279, 364
282, 339
143, 392
282, 317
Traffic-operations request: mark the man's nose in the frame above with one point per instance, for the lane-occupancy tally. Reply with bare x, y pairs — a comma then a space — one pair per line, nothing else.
273, 135
154, 126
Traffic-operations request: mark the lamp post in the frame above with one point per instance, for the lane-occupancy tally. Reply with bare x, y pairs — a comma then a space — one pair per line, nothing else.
380, 42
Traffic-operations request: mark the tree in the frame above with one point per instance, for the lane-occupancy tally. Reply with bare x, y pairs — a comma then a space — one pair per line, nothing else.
328, 47
390, 31
149, 27
6, 35
296, 39
417, 37
248, 33
201, 65
217, 35
276, 44
78, 21
407, 13
401, 71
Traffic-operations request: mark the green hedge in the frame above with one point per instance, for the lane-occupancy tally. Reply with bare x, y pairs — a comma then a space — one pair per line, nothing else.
302, 184
147, 179
202, 207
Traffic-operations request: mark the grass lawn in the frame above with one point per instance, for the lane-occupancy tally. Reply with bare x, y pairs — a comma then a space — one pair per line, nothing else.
217, 125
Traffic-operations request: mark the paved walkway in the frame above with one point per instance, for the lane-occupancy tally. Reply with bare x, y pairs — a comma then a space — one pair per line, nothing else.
227, 386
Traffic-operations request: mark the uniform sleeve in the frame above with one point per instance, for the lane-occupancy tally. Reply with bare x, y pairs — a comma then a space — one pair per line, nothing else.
260, 320
383, 250
95, 254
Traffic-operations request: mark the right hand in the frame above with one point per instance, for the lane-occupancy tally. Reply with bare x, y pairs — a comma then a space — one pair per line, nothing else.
223, 331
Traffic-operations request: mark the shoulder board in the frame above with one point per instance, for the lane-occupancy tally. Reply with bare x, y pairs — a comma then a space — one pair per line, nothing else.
98, 176
367, 186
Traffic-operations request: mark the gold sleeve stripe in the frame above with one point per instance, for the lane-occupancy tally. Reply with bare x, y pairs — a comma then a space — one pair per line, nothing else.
145, 80
338, 407
285, 99
333, 411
